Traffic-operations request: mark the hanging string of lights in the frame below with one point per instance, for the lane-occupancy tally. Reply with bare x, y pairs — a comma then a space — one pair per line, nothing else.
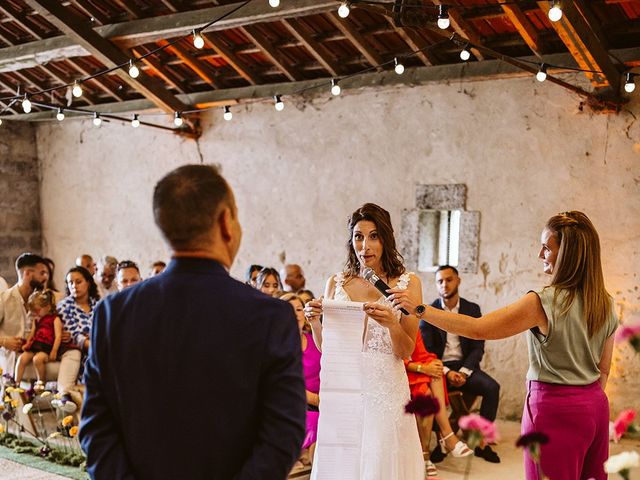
442, 20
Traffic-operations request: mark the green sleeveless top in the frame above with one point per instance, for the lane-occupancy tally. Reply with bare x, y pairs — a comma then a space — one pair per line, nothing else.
566, 355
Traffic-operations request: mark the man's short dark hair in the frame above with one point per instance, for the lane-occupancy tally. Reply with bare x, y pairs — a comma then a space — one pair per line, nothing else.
186, 203
26, 260
127, 264
445, 267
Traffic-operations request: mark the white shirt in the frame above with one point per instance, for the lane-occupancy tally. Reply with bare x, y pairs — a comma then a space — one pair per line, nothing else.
102, 290
453, 350
14, 322
3, 285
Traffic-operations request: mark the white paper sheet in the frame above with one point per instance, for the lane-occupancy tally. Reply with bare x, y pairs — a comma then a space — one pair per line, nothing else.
340, 424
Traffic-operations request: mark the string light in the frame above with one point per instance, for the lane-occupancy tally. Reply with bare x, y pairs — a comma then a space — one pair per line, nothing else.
465, 54
335, 88
97, 121
555, 12
541, 76
133, 70
0, 121
135, 123
344, 10
177, 119
198, 41
399, 67
26, 105
227, 115
629, 84
60, 115
279, 105
443, 17
77, 90
274, 3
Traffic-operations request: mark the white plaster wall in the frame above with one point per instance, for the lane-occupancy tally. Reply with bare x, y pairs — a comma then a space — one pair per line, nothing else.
524, 150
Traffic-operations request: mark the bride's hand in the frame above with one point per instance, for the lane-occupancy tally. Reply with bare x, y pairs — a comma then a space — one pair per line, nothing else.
400, 299
313, 310
382, 314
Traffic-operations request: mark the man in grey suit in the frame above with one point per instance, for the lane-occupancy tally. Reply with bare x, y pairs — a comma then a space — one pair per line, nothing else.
192, 374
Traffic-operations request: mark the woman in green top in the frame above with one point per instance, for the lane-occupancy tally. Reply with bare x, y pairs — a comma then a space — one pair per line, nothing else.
570, 326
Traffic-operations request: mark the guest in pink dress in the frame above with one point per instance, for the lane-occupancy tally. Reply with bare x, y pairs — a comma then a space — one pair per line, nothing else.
311, 365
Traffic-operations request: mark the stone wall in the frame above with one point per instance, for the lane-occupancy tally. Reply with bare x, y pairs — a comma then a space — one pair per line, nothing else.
20, 229
524, 150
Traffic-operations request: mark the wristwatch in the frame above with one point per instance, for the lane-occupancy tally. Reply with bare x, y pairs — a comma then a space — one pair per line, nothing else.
420, 310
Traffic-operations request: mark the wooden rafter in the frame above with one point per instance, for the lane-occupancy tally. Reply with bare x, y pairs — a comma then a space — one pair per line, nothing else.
464, 29
21, 18
108, 54
524, 27
200, 67
416, 42
227, 54
98, 81
585, 47
130, 7
274, 55
351, 32
315, 48
158, 70
91, 11
172, 5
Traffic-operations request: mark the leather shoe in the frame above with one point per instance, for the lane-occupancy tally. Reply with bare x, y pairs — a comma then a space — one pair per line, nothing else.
487, 453
437, 455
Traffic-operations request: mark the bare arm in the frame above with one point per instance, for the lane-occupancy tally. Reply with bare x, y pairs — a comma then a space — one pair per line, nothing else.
605, 362
57, 328
313, 311
520, 316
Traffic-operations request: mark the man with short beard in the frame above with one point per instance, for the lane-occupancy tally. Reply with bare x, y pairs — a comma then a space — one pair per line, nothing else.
15, 324
106, 275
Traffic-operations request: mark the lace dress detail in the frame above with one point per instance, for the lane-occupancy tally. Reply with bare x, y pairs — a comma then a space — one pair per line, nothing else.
391, 448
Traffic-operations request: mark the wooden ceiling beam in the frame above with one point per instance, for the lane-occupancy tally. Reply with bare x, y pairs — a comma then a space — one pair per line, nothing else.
106, 53
416, 42
586, 48
356, 38
315, 48
92, 12
274, 55
172, 5
98, 81
129, 7
464, 29
21, 19
200, 67
225, 52
525, 28
165, 74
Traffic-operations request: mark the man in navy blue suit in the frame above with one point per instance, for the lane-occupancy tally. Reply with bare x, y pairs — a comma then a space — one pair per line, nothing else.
461, 356
192, 374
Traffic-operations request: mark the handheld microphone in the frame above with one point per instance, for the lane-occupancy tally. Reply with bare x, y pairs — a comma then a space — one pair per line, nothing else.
370, 276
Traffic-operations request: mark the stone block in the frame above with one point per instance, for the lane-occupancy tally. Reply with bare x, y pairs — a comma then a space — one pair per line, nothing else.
441, 197
469, 242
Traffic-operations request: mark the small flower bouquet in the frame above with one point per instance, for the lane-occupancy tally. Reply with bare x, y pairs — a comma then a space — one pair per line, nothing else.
630, 334
479, 429
622, 463
623, 423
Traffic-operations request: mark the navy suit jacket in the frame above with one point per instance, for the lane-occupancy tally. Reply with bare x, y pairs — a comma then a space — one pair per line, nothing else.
193, 375
435, 339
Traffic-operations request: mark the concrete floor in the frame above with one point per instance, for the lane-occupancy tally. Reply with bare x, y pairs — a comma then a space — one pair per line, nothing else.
450, 468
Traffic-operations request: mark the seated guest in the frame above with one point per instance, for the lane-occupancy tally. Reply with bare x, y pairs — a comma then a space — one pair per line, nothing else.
157, 268
127, 274
105, 276
251, 275
292, 277
76, 309
306, 295
51, 266
311, 366
461, 356
87, 262
425, 370
268, 281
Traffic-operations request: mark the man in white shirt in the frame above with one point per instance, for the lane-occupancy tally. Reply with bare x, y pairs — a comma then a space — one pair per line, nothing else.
3, 285
461, 356
292, 278
106, 275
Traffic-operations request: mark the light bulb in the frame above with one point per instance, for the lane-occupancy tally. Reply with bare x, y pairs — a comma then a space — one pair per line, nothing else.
335, 88
629, 84
279, 105
0, 121
555, 12
135, 123
60, 115
541, 76
274, 3
344, 10
465, 54
443, 17
97, 121
227, 115
26, 105
177, 120
399, 68
77, 90
198, 41
133, 70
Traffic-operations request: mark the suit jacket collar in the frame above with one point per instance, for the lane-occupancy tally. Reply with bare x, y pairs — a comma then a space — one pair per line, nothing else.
195, 265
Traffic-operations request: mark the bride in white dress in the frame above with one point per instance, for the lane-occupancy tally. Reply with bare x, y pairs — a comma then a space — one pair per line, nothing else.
391, 448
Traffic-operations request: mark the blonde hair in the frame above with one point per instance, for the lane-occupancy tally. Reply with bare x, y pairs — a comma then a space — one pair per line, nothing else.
42, 298
578, 268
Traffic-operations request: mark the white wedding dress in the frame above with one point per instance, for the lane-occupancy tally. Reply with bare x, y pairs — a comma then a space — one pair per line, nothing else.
391, 448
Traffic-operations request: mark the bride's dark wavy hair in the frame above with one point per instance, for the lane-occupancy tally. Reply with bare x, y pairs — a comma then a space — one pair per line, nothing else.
392, 261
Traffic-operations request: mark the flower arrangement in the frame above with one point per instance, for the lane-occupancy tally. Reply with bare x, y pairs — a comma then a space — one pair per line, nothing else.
423, 406
622, 463
622, 423
532, 441
479, 429
631, 334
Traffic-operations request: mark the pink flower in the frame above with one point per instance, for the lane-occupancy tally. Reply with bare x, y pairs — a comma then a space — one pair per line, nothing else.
486, 428
626, 332
622, 423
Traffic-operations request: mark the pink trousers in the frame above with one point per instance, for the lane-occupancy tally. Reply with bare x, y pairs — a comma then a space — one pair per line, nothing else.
576, 420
